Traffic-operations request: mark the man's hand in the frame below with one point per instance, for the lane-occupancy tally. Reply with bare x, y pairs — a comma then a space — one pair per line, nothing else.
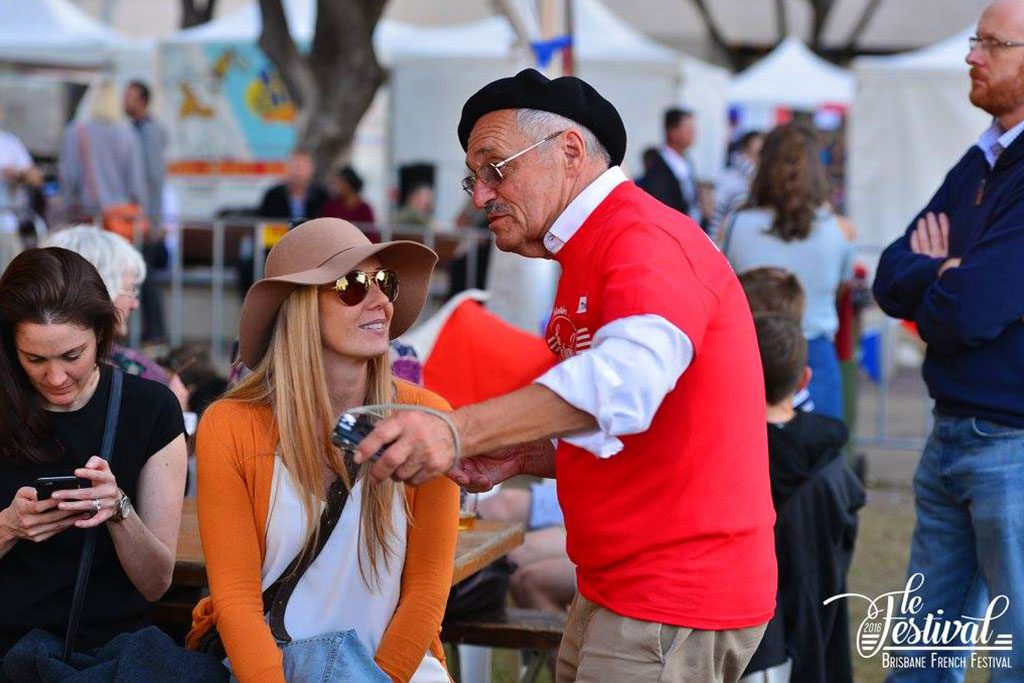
417, 447
931, 237
485, 471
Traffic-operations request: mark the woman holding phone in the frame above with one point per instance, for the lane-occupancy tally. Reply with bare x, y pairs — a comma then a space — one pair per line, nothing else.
56, 322
273, 490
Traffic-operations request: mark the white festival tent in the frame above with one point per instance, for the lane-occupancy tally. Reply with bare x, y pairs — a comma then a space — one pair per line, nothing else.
911, 120
56, 33
792, 76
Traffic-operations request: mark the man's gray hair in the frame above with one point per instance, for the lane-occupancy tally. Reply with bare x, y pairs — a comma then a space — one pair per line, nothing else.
111, 254
537, 125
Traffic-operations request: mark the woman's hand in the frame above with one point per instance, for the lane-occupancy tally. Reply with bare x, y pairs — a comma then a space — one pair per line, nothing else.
100, 498
34, 520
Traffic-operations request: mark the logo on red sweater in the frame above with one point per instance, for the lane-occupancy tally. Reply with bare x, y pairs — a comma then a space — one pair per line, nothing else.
565, 339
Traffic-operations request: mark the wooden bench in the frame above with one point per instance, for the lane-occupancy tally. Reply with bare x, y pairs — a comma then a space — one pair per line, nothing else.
536, 631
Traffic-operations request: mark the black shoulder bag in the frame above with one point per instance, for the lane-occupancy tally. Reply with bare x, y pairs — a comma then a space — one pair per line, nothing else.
89, 545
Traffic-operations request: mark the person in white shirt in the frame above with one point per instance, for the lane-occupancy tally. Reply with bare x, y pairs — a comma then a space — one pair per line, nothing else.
17, 174
654, 336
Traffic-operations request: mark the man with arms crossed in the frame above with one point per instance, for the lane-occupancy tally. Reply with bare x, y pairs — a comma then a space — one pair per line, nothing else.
958, 272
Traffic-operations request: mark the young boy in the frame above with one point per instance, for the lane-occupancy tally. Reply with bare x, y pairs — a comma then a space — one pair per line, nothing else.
777, 290
816, 499
774, 290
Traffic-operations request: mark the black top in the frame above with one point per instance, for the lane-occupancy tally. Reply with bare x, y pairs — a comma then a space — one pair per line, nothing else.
816, 500
662, 184
37, 579
971, 316
276, 203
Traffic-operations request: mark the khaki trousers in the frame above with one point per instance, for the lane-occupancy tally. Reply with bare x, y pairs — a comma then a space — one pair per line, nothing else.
600, 646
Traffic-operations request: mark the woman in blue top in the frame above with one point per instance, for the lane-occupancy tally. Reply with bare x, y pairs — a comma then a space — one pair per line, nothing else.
788, 223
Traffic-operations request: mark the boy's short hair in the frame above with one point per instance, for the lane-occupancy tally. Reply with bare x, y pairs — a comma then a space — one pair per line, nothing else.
783, 354
774, 290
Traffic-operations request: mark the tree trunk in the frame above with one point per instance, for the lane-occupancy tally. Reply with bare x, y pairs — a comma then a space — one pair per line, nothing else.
196, 12
335, 84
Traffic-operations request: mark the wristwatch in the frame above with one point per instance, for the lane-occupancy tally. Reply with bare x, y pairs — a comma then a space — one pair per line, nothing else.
122, 508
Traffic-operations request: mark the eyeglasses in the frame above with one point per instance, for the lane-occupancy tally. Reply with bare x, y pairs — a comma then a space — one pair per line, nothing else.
490, 174
130, 292
990, 45
353, 287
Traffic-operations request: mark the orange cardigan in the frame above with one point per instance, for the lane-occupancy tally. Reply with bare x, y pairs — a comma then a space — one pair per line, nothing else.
235, 447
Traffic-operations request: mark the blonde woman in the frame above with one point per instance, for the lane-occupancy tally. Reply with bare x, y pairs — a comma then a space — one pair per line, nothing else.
101, 166
315, 332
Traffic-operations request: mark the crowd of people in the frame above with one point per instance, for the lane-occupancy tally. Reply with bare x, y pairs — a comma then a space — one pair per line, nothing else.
683, 541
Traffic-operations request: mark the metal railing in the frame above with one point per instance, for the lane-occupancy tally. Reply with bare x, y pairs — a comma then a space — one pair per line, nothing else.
901, 410
901, 418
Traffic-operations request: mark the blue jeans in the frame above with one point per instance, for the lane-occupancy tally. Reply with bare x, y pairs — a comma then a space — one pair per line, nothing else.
826, 387
969, 538
331, 658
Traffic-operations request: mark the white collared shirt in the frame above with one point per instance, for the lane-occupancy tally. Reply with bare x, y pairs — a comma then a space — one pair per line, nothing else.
995, 140
632, 363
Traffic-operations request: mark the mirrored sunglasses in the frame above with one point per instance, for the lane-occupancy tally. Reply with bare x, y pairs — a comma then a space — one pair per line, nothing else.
353, 287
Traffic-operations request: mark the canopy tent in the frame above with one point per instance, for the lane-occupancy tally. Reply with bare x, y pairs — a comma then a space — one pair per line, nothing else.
57, 33
640, 77
911, 120
792, 76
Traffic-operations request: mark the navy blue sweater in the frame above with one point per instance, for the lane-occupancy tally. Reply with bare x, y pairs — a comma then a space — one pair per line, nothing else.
971, 316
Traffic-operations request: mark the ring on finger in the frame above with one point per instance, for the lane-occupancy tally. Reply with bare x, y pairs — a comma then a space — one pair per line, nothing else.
96, 504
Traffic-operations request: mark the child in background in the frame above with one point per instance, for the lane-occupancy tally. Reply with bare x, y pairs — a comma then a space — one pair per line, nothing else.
776, 290
816, 499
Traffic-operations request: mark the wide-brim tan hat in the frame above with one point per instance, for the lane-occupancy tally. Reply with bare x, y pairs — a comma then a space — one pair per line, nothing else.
318, 252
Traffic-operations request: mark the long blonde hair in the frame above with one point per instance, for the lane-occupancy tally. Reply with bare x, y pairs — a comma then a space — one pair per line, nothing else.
291, 379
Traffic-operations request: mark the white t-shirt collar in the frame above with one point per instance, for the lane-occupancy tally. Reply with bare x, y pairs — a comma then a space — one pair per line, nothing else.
580, 208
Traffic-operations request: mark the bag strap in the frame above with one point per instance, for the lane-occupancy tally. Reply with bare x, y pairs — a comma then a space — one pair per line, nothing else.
277, 594
89, 545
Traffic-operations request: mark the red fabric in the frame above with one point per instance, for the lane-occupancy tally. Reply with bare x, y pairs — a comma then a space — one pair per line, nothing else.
478, 356
844, 334
335, 207
677, 527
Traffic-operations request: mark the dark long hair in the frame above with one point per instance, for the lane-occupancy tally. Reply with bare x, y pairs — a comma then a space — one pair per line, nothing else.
43, 286
791, 180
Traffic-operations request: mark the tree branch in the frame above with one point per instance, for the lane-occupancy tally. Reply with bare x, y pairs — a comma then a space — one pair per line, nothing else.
276, 42
821, 10
862, 24
781, 21
196, 12
717, 39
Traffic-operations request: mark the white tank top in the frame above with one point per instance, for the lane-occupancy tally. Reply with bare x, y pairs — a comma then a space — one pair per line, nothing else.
331, 596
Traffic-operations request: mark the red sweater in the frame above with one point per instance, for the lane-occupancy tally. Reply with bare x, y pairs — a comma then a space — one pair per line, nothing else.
677, 527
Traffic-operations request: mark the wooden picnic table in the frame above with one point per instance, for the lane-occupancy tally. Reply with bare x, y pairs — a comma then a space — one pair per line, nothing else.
477, 548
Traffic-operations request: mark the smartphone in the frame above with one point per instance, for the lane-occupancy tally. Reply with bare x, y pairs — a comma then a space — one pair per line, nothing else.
45, 486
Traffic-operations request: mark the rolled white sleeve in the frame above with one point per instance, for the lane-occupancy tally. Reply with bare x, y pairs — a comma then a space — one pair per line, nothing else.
622, 379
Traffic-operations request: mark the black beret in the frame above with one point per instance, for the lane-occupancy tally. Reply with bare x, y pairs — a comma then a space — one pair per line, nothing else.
568, 96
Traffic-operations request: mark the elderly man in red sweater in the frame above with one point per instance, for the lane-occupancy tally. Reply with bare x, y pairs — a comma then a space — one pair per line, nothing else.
657, 402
